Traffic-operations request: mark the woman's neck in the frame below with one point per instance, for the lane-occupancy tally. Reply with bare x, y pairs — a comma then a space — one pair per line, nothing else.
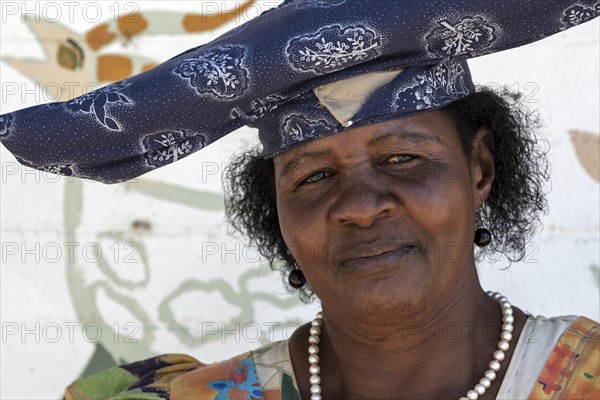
441, 356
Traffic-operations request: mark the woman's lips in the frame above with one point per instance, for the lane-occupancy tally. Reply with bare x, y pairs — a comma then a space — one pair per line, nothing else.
380, 260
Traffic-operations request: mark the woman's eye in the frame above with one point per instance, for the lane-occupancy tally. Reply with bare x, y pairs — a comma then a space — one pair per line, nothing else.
399, 158
320, 175
314, 178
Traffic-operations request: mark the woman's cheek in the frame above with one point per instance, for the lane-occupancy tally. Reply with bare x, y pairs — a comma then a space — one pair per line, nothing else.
431, 182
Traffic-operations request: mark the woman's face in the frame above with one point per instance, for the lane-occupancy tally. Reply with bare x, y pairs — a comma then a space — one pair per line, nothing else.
381, 218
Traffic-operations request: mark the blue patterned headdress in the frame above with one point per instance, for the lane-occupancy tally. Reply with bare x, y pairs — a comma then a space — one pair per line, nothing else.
301, 71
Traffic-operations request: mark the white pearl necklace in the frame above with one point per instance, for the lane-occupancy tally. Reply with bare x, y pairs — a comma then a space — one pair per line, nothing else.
473, 394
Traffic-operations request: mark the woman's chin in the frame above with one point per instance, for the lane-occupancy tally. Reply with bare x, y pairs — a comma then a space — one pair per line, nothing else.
387, 303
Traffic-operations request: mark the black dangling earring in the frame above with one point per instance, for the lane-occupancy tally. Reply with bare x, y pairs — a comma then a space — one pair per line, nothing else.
483, 237
296, 278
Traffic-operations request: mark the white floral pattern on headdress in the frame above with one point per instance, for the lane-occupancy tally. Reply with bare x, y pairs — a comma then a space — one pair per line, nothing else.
318, 3
297, 128
469, 36
333, 48
167, 147
97, 101
437, 86
58, 169
219, 71
578, 14
5, 125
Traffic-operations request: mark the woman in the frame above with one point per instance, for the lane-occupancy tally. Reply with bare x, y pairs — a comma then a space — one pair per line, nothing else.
370, 225
375, 203
368, 217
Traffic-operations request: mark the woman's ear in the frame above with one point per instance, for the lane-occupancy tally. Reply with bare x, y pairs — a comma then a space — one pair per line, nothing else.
483, 170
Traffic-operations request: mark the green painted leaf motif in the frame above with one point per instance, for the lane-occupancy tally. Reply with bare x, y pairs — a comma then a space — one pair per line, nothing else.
588, 375
288, 391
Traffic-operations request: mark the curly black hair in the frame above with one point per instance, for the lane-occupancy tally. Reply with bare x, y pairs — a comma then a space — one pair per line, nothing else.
512, 210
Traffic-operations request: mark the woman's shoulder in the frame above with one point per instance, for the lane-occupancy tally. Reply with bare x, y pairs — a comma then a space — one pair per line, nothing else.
173, 376
572, 369
555, 357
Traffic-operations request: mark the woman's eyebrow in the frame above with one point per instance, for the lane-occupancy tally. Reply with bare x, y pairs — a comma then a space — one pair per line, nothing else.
413, 137
295, 161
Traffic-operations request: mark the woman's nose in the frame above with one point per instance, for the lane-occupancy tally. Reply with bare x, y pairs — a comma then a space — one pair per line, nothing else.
361, 201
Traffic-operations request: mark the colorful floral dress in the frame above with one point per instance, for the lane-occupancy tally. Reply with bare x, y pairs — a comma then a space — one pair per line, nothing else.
555, 358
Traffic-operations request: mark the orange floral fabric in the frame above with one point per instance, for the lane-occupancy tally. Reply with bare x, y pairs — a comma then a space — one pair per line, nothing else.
572, 370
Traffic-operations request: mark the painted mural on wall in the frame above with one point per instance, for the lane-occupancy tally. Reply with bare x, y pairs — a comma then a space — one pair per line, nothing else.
587, 148
79, 58
132, 343
75, 57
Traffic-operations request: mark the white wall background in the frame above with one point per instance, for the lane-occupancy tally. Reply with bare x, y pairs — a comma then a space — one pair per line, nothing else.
43, 295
